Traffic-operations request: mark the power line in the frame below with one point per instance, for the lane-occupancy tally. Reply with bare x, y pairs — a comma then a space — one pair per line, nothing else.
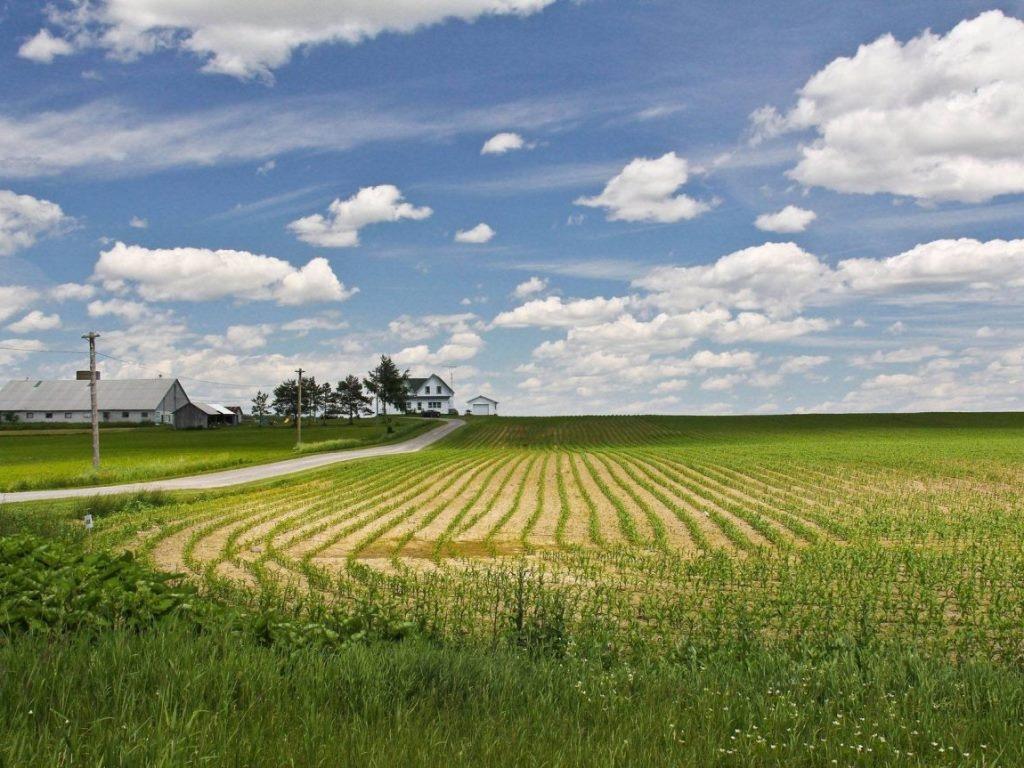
133, 362
172, 376
54, 351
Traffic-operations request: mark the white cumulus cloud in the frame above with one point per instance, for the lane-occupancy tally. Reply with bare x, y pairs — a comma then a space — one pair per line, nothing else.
251, 38
462, 346
201, 274
776, 277
44, 47
123, 308
370, 205
15, 298
35, 321
529, 287
789, 219
936, 118
481, 233
963, 266
24, 219
501, 143
803, 363
72, 292
552, 312
646, 190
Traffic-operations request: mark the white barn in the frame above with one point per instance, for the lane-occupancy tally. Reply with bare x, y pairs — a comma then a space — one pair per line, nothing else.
429, 394
136, 401
481, 405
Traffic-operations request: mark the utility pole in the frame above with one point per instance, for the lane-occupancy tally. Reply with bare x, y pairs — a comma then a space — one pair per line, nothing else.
298, 412
91, 336
451, 381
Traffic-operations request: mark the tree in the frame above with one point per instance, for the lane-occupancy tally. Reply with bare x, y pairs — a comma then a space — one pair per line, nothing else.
259, 405
286, 394
310, 396
350, 398
389, 385
326, 399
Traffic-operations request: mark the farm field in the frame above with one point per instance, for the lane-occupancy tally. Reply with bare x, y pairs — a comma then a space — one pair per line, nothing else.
34, 458
908, 527
784, 591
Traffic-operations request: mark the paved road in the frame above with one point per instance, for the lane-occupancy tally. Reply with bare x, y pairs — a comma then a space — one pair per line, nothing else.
242, 474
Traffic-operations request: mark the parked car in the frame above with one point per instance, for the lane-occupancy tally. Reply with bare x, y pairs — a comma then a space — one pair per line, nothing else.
430, 414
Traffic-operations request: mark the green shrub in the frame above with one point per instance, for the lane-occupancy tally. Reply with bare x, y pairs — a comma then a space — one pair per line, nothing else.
53, 587
57, 587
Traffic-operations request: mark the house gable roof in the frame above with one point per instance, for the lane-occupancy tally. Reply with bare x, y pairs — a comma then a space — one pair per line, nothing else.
482, 398
416, 383
73, 395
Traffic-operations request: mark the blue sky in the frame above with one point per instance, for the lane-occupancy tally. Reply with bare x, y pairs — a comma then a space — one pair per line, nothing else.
686, 208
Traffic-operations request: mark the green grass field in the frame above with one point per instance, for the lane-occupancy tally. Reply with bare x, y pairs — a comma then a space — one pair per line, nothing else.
613, 591
31, 459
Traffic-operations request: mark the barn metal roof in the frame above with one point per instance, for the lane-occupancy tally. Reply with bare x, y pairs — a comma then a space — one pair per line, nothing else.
73, 395
213, 409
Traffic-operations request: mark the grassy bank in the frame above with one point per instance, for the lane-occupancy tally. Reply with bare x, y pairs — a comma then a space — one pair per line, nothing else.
180, 698
31, 460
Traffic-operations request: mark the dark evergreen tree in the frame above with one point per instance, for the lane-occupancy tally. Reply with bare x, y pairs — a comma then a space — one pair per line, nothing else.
389, 385
285, 396
350, 398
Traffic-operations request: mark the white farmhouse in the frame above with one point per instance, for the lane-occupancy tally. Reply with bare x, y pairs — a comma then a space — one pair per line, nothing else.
429, 394
481, 405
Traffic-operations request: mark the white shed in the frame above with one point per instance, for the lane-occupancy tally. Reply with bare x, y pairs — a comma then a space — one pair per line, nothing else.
483, 406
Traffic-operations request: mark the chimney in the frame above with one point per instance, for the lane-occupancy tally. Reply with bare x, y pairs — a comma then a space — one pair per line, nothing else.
84, 375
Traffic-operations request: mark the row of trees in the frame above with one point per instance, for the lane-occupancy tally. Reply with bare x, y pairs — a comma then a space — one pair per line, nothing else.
351, 397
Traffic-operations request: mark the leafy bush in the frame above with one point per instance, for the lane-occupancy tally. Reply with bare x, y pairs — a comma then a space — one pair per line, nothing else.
54, 587
46, 586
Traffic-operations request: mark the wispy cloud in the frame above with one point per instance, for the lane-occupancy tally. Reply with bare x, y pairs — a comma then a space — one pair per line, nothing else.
108, 137
284, 202
537, 179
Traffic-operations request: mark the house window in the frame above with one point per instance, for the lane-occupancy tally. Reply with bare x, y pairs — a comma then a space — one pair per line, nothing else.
30, 415
48, 415
67, 414
124, 414
145, 414
419, 405
106, 415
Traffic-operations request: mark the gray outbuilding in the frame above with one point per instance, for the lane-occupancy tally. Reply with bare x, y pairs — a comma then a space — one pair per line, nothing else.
57, 402
195, 415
